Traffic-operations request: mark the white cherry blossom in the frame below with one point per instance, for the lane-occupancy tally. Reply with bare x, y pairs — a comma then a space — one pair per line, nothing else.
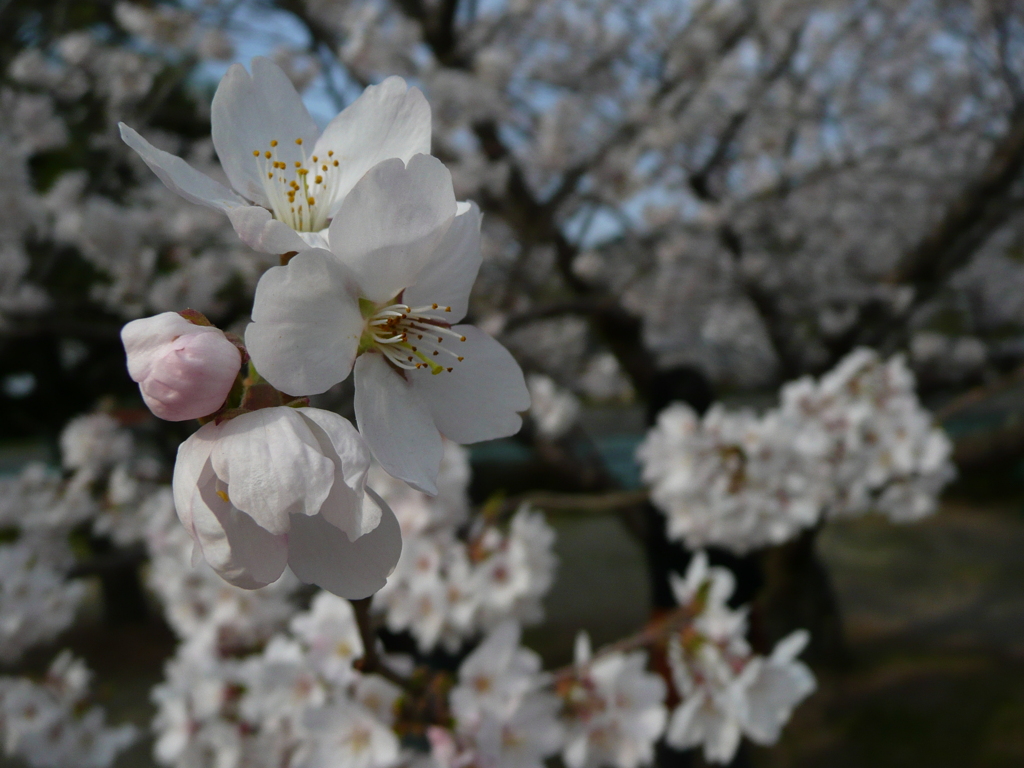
290, 179
503, 718
614, 710
385, 299
285, 486
727, 691
330, 635
346, 734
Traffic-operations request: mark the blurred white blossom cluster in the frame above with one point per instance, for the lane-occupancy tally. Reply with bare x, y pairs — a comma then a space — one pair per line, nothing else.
608, 710
50, 723
151, 250
456, 576
104, 479
726, 690
855, 441
297, 702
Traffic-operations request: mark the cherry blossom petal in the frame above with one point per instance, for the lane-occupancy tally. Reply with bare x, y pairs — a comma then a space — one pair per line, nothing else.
390, 223
339, 440
248, 112
258, 229
321, 554
387, 120
240, 551
306, 324
396, 423
180, 177
448, 278
192, 458
480, 399
273, 466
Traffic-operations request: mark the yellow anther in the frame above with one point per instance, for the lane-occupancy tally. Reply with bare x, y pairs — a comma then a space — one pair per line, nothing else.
462, 338
273, 142
433, 306
298, 164
224, 497
323, 167
255, 153
330, 153
302, 171
268, 154
447, 309
335, 163
270, 175
319, 179
314, 158
460, 359
311, 200
298, 141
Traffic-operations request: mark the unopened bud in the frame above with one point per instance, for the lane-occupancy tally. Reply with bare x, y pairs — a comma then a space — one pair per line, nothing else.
185, 371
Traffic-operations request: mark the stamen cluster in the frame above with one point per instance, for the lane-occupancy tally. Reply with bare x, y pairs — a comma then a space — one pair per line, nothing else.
410, 338
301, 200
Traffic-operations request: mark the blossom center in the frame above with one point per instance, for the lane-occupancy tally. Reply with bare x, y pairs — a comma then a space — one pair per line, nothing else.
411, 337
301, 193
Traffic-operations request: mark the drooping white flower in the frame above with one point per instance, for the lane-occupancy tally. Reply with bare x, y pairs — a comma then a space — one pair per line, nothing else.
184, 370
289, 178
385, 299
614, 710
286, 486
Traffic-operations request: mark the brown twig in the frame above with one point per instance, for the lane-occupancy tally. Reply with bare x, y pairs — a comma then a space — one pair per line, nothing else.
578, 502
979, 394
371, 661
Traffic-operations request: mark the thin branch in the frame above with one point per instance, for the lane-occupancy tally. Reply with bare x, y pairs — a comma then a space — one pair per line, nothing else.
656, 631
371, 661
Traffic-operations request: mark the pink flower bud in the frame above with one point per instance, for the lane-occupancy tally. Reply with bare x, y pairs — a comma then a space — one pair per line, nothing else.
184, 371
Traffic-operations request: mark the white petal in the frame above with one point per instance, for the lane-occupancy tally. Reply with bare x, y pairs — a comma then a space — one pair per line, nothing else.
258, 229
339, 440
321, 554
387, 120
240, 551
391, 222
179, 176
192, 458
248, 113
480, 399
306, 324
791, 646
448, 277
396, 424
273, 466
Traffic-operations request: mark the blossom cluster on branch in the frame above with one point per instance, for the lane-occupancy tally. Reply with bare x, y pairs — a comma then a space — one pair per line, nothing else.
855, 441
